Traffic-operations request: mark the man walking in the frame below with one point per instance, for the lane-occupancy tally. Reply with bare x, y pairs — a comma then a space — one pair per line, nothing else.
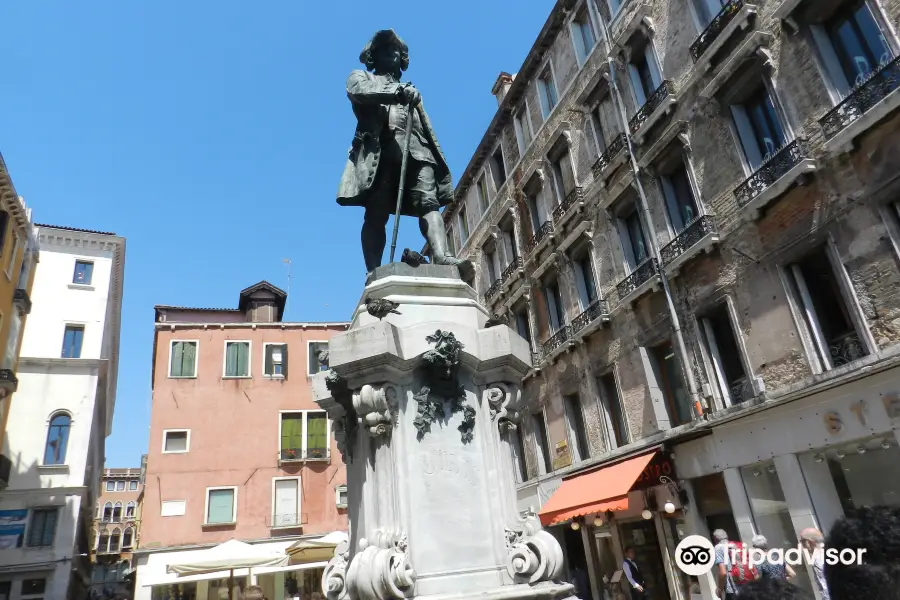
812, 539
633, 575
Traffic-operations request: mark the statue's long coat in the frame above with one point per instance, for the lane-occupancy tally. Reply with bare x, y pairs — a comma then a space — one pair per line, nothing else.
371, 96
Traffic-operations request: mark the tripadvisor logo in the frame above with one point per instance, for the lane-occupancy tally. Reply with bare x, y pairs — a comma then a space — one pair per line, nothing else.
695, 555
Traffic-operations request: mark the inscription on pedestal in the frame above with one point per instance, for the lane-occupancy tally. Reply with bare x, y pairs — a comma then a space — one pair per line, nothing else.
445, 462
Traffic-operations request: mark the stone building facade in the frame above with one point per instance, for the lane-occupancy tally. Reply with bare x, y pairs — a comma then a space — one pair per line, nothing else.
689, 208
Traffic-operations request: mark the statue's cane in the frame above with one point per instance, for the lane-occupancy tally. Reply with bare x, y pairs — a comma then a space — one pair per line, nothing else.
403, 161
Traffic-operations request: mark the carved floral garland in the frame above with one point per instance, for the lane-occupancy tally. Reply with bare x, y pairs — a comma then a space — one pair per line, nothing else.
441, 372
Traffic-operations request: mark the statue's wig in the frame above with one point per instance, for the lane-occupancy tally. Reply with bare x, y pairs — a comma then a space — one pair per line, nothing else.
383, 39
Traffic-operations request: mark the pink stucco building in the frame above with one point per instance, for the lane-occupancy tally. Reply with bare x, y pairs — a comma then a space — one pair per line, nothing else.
238, 449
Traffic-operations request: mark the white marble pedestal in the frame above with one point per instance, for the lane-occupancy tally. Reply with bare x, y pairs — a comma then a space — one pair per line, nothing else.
430, 475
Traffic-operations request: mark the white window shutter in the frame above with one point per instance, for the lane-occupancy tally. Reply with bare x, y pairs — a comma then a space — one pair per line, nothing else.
830, 58
748, 138
582, 288
639, 97
552, 309
653, 64
578, 41
672, 204
625, 238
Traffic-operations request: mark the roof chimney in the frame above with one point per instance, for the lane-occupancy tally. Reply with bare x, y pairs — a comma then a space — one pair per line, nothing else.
501, 86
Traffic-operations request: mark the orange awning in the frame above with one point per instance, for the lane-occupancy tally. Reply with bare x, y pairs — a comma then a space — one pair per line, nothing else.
595, 492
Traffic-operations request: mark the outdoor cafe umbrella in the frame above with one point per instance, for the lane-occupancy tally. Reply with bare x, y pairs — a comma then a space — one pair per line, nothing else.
229, 556
319, 549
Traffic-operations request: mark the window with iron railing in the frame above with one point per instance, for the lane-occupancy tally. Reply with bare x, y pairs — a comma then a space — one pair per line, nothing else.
758, 126
581, 449
542, 441
720, 340
613, 414
668, 377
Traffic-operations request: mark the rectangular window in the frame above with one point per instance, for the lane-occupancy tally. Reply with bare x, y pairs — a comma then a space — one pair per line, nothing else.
490, 270
172, 508
645, 75
722, 347
707, 10
84, 270
31, 588
221, 505
543, 442
667, 371
463, 224
317, 360
522, 326
563, 176
581, 449
110, 486
547, 92
634, 244
597, 125
120, 487
72, 340
613, 415
856, 43
484, 201
534, 209
304, 435
133, 485
42, 527
175, 441
509, 244
584, 281
451, 243
681, 206
759, 127
183, 362
275, 360
522, 125
498, 167
825, 312
237, 359
286, 503
583, 37
555, 309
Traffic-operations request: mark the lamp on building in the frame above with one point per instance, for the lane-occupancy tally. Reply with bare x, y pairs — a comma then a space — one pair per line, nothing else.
819, 458
840, 455
886, 444
575, 525
646, 514
649, 504
675, 490
598, 521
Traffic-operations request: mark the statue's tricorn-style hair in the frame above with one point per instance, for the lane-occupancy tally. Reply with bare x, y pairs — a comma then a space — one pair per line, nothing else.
385, 37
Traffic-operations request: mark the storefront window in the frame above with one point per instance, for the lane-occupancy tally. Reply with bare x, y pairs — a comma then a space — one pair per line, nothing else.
180, 591
641, 535
860, 478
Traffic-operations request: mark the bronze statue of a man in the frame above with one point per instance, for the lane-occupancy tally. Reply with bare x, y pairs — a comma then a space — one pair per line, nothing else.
371, 178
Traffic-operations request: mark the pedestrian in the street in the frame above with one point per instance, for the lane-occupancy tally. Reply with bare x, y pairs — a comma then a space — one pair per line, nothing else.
768, 568
731, 575
768, 588
814, 542
877, 531
634, 576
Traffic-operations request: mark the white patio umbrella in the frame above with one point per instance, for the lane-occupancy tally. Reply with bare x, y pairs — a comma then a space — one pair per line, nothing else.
317, 549
229, 556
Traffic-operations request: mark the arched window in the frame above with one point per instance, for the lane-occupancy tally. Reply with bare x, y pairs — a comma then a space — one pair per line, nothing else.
117, 512
129, 510
107, 512
103, 542
57, 439
127, 537
114, 539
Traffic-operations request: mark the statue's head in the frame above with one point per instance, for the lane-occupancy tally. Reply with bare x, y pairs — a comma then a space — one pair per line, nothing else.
385, 53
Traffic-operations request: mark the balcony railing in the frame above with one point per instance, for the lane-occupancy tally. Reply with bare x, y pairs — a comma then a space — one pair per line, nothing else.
718, 23
771, 170
22, 300
535, 359
492, 291
863, 97
556, 340
666, 88
576, 195
612, 151
596, 310
846, 349
510, 269
741, 390
645, 271
539, 235
289, 454
690, 235
292, 519
5, 470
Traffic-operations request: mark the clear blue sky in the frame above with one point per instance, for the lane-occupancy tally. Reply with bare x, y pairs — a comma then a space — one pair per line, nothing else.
212, 136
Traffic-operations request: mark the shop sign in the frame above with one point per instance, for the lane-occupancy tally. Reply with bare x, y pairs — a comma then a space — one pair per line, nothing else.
661, 466
562, 458
834, 422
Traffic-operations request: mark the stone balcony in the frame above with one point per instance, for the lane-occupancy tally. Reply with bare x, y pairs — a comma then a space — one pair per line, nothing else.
557, 343
699, 236
514, 270
613, 156
870, 101
493, 290
9, 383
774, 177
660, 102
571, 205
734, 15
590, 320
643, 279
539, 239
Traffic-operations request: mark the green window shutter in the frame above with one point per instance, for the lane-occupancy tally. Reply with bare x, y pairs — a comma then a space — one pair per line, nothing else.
269, 368
316, 431
188, 356
291, 432
175, 369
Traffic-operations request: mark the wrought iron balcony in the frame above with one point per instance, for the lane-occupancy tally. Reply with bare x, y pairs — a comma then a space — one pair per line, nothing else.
741, 390
22, 300
615, 147
718, 24
866, 94
690, 235
8, 381
597, 309
645, 271
5, 470
535, 359
511, 269
539, 235
846, 349
576, 195
665, 89
556, 340
492, 291
772, 169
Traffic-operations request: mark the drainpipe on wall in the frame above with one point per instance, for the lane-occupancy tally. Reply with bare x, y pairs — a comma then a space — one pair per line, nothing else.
647, 218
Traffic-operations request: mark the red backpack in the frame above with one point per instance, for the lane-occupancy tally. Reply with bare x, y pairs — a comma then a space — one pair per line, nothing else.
740, 571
